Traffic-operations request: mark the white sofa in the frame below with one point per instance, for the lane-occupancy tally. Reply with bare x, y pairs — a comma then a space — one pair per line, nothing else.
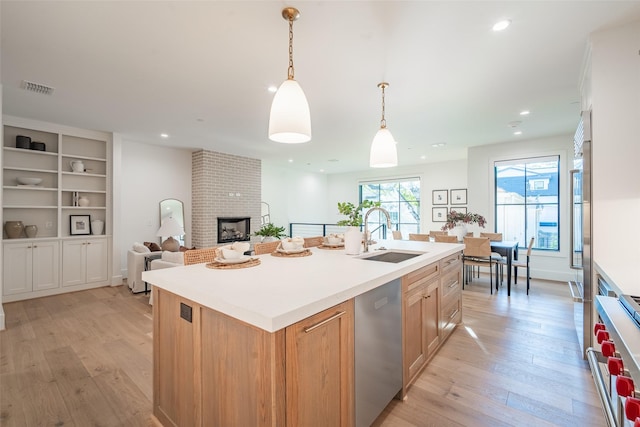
167, 260
135, 267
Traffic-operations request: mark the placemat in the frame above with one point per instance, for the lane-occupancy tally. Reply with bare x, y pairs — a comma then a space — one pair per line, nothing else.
331, 248
220, 266
307, 252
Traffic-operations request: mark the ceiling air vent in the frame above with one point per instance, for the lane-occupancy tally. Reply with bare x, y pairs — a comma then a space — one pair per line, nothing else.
37, 87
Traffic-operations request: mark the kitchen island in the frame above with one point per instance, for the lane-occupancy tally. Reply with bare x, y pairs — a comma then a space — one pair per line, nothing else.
274, 344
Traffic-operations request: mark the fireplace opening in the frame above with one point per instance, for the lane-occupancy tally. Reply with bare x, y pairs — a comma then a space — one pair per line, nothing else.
234, 229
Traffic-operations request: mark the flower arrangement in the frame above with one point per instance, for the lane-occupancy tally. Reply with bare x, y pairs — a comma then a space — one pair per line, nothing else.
458, 218
354, 212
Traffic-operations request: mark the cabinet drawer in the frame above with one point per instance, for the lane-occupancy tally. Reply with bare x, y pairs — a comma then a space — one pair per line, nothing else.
451, 262
451, 285
451, 313
420, 276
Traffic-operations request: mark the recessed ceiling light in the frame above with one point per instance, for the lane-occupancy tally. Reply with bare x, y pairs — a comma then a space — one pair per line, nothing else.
290, 160
164, 135
423, 157
501, 25
272, 89
524, 113
518, 132
321, 170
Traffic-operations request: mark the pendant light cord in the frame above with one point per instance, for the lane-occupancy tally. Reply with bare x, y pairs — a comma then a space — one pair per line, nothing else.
383, 121
290, 69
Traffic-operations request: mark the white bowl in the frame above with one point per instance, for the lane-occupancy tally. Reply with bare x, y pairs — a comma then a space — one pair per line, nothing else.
291, 246
29, 181
334, 240
230, 254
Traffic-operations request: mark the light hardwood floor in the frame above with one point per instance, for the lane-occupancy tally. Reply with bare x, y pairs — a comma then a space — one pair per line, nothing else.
84, 359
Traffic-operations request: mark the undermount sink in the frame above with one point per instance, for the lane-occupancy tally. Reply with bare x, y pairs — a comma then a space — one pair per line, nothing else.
392, 256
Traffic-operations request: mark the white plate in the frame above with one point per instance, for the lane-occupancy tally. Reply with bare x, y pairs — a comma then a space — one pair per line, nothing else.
240, 260
333, 245
291, 251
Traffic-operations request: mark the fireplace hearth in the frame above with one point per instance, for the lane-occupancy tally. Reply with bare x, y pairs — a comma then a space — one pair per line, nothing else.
234, 229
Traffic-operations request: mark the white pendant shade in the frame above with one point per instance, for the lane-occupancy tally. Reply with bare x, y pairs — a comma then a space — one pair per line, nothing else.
383, 150
290, 120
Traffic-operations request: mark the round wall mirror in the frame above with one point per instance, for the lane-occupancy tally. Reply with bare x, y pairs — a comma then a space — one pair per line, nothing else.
172, 208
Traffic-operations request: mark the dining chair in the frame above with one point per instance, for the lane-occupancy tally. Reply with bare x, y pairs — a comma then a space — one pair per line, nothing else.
266, 247
311, 242
523, 263
434, 233
420, 237
496, 237
397, 234
198, 256
477, 253
444, 238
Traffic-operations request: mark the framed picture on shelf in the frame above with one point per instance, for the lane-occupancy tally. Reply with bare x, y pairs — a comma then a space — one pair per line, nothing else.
80, 224
439, 214
440, 197
459, 209
459, 197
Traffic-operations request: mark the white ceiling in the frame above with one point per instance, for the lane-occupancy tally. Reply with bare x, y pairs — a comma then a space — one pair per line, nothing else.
199, 71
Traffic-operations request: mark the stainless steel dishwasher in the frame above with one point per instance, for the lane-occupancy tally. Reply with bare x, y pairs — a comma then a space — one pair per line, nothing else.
378, 350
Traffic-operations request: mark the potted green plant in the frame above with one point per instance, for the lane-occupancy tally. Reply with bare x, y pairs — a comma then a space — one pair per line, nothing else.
354, 212
353, 235
270, 232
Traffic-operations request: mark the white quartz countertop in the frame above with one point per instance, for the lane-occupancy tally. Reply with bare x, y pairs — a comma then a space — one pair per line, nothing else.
620, 271
282, 291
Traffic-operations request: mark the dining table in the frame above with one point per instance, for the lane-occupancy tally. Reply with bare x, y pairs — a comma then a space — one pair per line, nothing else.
509, 250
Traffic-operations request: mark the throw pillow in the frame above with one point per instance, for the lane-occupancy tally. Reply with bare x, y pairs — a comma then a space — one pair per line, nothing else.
140, 248
153, 247
175, 257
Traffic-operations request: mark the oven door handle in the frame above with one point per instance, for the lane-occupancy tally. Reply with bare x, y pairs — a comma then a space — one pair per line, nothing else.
592, 356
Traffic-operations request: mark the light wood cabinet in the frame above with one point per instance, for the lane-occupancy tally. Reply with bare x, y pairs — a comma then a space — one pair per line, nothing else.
320, 369
30, 266
432, 307
421, 330
50, 204
211, 369
84, 261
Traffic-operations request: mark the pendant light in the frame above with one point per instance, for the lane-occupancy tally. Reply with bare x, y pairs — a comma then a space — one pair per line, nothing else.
383, 148
290, 120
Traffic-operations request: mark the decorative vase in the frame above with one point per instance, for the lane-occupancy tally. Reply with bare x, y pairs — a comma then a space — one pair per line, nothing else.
13, 229
97, 226
267, 239
83, 201
31, 231
460, 230
353, 241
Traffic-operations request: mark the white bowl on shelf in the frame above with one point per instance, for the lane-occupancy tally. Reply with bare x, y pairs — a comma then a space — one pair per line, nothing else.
28, 180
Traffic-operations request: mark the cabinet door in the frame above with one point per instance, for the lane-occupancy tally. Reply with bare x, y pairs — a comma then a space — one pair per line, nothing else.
96, 268
17, 276
74, 261
319, 369
431, 312
46, 257
415, 347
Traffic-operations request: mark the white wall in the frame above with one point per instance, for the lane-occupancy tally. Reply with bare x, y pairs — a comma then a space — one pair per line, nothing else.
615, 95
294, 196
544, 264
150, 174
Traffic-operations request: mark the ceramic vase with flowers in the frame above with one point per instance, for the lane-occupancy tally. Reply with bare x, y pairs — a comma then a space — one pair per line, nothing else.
353, 235
457, 223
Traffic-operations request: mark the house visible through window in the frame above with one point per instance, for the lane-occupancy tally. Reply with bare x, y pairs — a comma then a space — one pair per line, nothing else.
401, 198
527, 194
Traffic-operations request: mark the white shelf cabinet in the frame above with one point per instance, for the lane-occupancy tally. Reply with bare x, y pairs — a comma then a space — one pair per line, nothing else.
31, 266
50, 205
84, 261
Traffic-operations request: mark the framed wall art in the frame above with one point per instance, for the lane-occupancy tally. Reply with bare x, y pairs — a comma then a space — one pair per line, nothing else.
459, 197
459, 209
440, 197
80, 224
439, 214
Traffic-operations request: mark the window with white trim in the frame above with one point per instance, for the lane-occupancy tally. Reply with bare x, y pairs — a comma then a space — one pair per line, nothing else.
401, 198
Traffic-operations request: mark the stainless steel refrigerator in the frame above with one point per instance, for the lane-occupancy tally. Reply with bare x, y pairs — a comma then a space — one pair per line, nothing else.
582, 288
